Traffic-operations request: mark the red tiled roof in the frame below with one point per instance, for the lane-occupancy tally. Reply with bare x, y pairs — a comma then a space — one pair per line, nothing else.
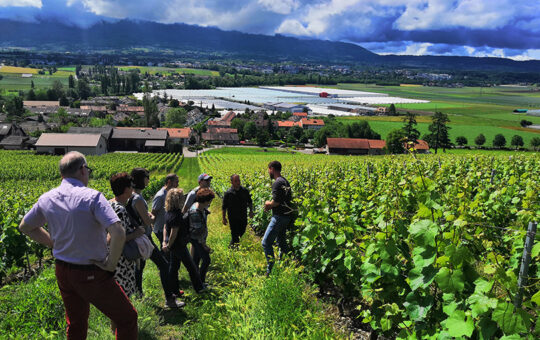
229, 116
420, 145
126, 108
288, 123
178, 133
218, 123
94, 107
300, 114
318, 122
376, 144
347, 143
221, 130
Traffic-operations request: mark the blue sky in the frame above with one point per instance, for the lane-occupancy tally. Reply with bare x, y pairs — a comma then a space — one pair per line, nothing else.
497, 28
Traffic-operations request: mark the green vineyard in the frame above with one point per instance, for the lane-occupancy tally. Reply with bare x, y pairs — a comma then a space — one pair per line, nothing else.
430, 247
24, 176
427, 247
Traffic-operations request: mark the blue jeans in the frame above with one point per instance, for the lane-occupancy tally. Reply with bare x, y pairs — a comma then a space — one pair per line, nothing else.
276, 229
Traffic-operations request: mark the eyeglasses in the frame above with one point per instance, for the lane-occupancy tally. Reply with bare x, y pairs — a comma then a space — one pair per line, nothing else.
87, 168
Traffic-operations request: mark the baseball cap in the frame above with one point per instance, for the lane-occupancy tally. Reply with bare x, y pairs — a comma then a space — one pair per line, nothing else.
204, 177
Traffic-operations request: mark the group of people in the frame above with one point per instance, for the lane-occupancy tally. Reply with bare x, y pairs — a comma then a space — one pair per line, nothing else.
88, 234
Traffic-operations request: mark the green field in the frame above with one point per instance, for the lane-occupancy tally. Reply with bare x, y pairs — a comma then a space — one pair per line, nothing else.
14, 82
468, 131
492, 104
472, 110
168, 70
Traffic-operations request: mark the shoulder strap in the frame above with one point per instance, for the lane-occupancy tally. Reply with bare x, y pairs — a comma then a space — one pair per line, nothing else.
132, 213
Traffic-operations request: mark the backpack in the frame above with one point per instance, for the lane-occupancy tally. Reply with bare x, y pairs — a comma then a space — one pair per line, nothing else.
195, 229
290, 205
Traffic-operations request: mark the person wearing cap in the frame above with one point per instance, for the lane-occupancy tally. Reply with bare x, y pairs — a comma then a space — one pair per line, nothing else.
204, 182
236, 202
78, 220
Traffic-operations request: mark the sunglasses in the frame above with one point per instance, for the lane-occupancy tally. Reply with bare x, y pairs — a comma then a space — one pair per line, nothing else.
87, 168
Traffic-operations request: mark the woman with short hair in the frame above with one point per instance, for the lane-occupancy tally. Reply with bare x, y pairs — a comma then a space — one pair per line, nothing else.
175, 240
125, 269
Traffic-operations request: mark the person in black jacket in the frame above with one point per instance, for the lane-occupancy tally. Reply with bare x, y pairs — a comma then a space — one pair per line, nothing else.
236, 202
176, 237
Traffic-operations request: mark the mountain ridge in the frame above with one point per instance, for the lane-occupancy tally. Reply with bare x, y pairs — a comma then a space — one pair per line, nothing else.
125, 34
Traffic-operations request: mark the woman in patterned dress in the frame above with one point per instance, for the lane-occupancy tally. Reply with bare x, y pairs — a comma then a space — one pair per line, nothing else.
125, 270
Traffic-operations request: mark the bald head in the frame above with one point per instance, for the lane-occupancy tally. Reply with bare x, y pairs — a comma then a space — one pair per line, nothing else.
235, 181
71, 163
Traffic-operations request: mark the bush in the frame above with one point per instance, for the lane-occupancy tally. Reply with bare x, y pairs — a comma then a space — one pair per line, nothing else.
499, 141
480, 140
525, 123
517, 141
461, 141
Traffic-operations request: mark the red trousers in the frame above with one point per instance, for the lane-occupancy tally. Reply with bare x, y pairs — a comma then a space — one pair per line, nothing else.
81, 286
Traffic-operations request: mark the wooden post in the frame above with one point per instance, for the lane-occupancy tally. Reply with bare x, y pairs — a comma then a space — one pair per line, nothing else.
525, 261
439, 162
492, 176
368, 171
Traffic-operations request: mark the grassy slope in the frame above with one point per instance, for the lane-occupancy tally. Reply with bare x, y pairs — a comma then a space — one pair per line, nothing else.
242, 304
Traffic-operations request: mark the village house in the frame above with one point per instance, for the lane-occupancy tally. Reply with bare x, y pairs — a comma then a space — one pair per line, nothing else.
139, 139
297, 116
421, 146
62, 143
355, 146
315, 124
178, 138
17, 143
104, 131
138, 110
347, 146
10, 129
221, 137
304, 123
225, 121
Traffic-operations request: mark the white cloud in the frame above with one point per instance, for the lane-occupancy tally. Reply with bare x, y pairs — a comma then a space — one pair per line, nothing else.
293, 27
440, 14
279, 6
417, 49
20, 3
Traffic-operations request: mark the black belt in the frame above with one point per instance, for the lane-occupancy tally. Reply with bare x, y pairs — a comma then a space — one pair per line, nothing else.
77, 266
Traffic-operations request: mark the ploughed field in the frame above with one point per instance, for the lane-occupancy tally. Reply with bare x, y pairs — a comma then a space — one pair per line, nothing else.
430, 246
